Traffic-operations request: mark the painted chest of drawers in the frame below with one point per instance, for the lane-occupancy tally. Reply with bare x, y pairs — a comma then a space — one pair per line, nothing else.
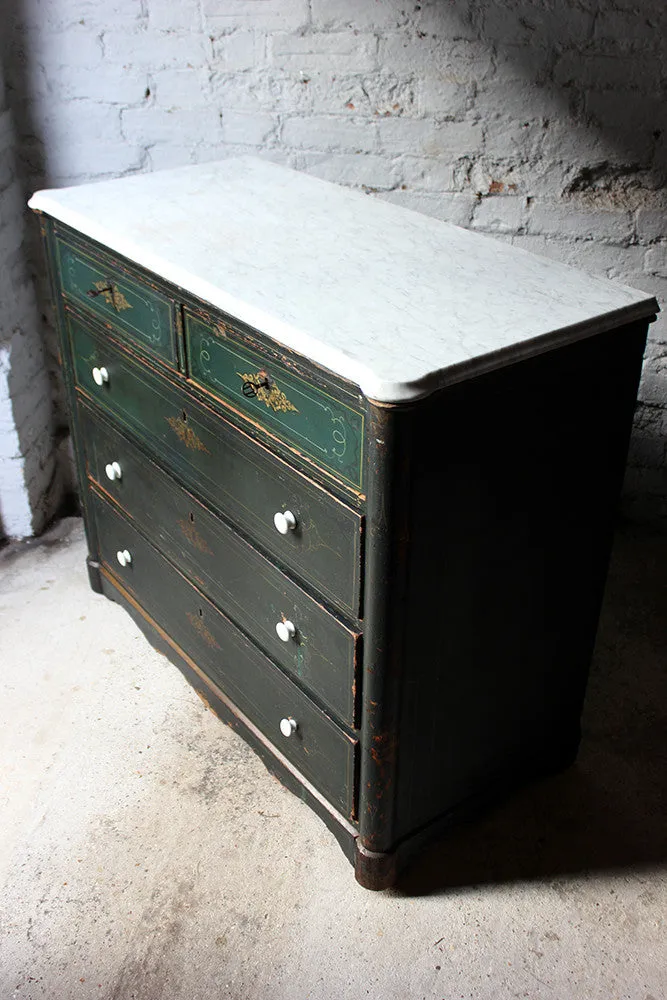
354, 471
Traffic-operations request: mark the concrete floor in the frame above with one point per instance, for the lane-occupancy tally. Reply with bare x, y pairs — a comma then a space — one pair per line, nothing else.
147, 853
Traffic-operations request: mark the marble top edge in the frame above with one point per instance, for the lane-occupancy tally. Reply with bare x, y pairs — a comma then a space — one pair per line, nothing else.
396, 348
495, 360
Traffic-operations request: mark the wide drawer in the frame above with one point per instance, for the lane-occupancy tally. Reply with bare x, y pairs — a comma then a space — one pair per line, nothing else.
321, 654
314, 421
323, 752
236, 476
101, 286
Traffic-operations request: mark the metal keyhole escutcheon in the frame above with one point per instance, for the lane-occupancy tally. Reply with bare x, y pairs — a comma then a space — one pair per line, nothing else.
94, 292
250, 388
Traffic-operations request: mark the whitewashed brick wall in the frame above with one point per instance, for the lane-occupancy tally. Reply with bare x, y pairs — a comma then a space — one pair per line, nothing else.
540, 123
29, 480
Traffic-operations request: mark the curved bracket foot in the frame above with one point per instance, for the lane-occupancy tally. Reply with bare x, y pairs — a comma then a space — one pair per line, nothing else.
373, 869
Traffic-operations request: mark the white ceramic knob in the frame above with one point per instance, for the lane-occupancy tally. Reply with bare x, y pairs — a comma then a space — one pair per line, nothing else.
288, 726
113, 471
284, 521
124, 557
286, 630
100, 375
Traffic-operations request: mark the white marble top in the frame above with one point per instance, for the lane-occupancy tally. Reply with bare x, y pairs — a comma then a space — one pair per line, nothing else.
395, 301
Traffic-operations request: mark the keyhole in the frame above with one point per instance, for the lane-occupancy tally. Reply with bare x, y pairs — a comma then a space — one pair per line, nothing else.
184, 417
192, 518
201, 613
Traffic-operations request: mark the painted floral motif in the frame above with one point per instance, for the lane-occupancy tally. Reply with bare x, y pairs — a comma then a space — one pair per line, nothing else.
193, 536
197, 623
185, 434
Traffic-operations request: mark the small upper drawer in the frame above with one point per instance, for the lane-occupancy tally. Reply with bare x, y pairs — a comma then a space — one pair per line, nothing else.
311, 419
135, 311
234, 474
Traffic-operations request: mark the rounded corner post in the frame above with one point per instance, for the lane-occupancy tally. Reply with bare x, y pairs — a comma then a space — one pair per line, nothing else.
385, 584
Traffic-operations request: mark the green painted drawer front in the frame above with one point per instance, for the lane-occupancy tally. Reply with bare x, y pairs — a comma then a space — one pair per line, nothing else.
136, 312
317, 424
243, 583
319, 749
234, 474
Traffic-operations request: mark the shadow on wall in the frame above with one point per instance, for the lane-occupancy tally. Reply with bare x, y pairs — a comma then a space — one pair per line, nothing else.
30, 481
609, 811
603, 64
21, 76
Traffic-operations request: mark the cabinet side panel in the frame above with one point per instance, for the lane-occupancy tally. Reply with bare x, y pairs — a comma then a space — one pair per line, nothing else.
516, 479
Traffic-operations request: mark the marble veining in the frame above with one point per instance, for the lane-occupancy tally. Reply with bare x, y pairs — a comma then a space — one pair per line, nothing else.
397, 302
